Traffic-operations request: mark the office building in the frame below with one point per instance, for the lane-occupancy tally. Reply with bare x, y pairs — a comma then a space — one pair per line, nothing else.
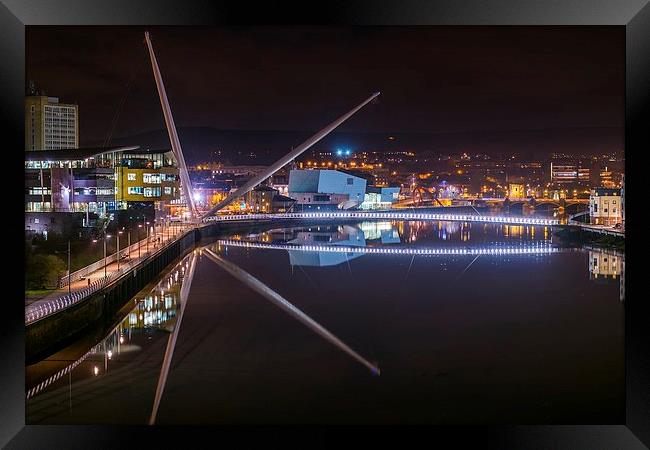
93, 183
50, 125
569, 174
147, 180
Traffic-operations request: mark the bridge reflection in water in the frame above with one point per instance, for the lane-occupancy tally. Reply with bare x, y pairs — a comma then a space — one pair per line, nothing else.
162, 309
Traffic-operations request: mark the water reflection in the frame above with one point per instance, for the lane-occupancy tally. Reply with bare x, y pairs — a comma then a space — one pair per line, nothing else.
188, 274
151, 323
148, 314
287, 307
344, 235
323, 246
607, 266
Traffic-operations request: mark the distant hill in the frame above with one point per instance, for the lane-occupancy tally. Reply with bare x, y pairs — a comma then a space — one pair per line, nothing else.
202, 143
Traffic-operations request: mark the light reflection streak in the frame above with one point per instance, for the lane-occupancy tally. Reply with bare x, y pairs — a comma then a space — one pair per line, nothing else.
171, 342
289, 308
526, 249
135, 319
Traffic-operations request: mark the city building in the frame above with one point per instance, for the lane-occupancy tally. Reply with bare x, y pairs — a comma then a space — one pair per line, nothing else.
516, 190
605, 206
623, 202
93, 183
265, 199
606, 178
323, 189
380, 197
569, 174
50, 125
280, 181
70, 181
43, 223
147, 180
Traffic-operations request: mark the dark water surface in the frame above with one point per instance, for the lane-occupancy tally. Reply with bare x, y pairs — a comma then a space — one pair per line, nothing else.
510, 329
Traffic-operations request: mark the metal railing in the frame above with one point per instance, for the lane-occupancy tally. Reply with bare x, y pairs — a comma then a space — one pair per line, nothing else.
529, 249
110, 259
35, 312
388, 215
597, 229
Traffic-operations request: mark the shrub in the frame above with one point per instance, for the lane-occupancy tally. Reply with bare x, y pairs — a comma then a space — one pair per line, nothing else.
43, 271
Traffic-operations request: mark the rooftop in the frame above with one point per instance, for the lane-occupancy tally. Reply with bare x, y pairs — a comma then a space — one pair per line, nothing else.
76, 154
606, 191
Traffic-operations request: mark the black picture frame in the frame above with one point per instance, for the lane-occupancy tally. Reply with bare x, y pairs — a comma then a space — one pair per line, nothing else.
634, 15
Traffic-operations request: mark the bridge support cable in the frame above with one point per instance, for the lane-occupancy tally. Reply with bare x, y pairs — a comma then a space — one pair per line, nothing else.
171, 342
171, 128
286, 159
279, 301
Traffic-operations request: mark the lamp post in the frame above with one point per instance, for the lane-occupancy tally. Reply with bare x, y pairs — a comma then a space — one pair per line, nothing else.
148, 237
105, 236
139, 226
69, 288
95, 240
118, 249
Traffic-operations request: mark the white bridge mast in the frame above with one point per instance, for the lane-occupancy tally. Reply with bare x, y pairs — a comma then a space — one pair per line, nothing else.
171, 128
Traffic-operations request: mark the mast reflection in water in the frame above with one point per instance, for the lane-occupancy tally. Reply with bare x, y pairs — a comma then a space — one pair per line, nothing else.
470, 323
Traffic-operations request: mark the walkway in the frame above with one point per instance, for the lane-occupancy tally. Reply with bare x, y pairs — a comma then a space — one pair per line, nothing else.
599, 229
97, 279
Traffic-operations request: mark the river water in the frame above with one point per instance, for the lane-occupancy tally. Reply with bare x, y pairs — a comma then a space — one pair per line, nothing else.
368, 322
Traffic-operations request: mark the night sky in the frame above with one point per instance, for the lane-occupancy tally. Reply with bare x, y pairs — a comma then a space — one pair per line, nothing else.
432, 79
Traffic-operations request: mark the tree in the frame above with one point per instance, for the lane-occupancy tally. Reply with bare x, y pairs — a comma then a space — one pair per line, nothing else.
43, 271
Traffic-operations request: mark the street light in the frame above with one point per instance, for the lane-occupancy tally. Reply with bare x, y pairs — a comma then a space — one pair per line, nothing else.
118, 249
148, 237
105, 237
139, 226
69, 288
94, 241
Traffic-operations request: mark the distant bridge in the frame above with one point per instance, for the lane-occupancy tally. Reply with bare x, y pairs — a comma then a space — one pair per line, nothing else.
420, 197
385, 215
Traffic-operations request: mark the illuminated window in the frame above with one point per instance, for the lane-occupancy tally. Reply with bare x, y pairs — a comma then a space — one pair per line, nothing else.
151, 178
152, 192
135, 190
131, 176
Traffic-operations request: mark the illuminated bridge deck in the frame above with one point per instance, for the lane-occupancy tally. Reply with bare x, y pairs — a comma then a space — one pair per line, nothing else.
525, 249
387, 215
